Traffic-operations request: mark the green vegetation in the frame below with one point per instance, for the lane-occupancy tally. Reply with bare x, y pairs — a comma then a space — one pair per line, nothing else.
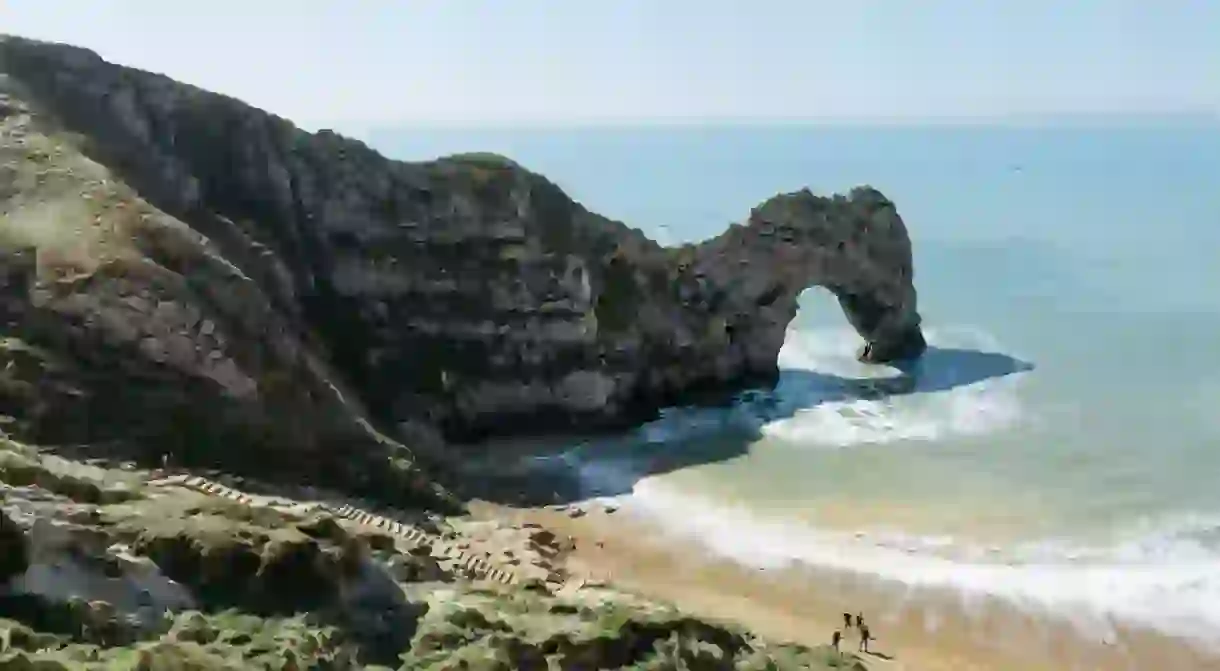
481, 167
486, 631
22, 466
484, 159
191, 641
269, 586
463, 629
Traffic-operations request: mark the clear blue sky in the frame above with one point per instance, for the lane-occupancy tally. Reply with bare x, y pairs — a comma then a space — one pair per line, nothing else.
364, 63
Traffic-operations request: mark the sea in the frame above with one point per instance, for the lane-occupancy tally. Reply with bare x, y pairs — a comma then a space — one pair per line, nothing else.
1058, 446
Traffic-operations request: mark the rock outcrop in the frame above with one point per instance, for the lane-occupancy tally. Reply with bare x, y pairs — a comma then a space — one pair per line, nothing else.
163, 577
180, 269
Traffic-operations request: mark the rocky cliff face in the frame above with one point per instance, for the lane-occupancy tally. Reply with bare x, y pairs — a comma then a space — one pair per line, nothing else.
200, 273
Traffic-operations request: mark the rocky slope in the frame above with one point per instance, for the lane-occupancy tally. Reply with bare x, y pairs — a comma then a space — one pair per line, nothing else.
102, 569
182, 275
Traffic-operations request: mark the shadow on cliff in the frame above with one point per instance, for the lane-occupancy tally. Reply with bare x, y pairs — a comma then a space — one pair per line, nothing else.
579, 469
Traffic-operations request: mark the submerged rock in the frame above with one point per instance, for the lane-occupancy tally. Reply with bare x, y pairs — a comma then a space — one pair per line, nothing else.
183, 276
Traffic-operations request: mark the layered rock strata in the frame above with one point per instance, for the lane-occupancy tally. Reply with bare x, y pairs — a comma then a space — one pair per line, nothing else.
182, 273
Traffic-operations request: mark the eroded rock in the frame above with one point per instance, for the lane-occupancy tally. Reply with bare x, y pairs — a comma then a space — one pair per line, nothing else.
205, 270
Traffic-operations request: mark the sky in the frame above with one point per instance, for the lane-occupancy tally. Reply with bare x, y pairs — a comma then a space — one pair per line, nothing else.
366, 63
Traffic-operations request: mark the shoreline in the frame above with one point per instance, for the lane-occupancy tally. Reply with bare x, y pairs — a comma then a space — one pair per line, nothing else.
915, 628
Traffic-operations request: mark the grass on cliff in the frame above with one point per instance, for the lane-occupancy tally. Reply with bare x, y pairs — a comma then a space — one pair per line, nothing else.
486, 631
193, 642
481, 167
233, 558
484, 159
68, 208
23, 466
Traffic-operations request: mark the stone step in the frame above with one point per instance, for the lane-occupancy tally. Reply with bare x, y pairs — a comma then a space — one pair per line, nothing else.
478, 568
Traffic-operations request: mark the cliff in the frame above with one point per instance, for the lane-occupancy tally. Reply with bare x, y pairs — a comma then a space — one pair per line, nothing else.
183, 276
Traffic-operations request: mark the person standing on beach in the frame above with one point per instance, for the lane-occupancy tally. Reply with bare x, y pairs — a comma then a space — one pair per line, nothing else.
834, 639
859, 620
865, 635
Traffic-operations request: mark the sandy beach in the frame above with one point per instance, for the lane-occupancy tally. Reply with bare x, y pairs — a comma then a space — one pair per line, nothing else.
913, 630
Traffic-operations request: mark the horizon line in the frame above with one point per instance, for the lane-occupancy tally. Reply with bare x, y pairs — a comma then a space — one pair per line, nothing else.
1194, 119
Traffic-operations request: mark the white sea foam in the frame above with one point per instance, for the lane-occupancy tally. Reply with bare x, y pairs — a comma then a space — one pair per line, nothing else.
825, 398
1164, 573
1164, 580
965, 392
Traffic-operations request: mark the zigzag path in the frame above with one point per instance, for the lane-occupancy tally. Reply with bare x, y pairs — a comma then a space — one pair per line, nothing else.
461, 560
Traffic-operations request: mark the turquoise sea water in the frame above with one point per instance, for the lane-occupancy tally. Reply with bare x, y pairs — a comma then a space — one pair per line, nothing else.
1062, 441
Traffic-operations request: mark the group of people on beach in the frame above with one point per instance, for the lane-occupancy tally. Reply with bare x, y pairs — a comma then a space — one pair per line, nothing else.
865, 635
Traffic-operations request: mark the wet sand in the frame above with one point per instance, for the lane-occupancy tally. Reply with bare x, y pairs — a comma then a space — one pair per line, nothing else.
914, 629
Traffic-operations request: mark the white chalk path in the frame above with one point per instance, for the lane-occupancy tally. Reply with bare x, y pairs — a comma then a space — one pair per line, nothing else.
462, 560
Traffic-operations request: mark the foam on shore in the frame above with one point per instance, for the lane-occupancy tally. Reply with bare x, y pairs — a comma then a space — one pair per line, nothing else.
1164, 581
1164, 574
